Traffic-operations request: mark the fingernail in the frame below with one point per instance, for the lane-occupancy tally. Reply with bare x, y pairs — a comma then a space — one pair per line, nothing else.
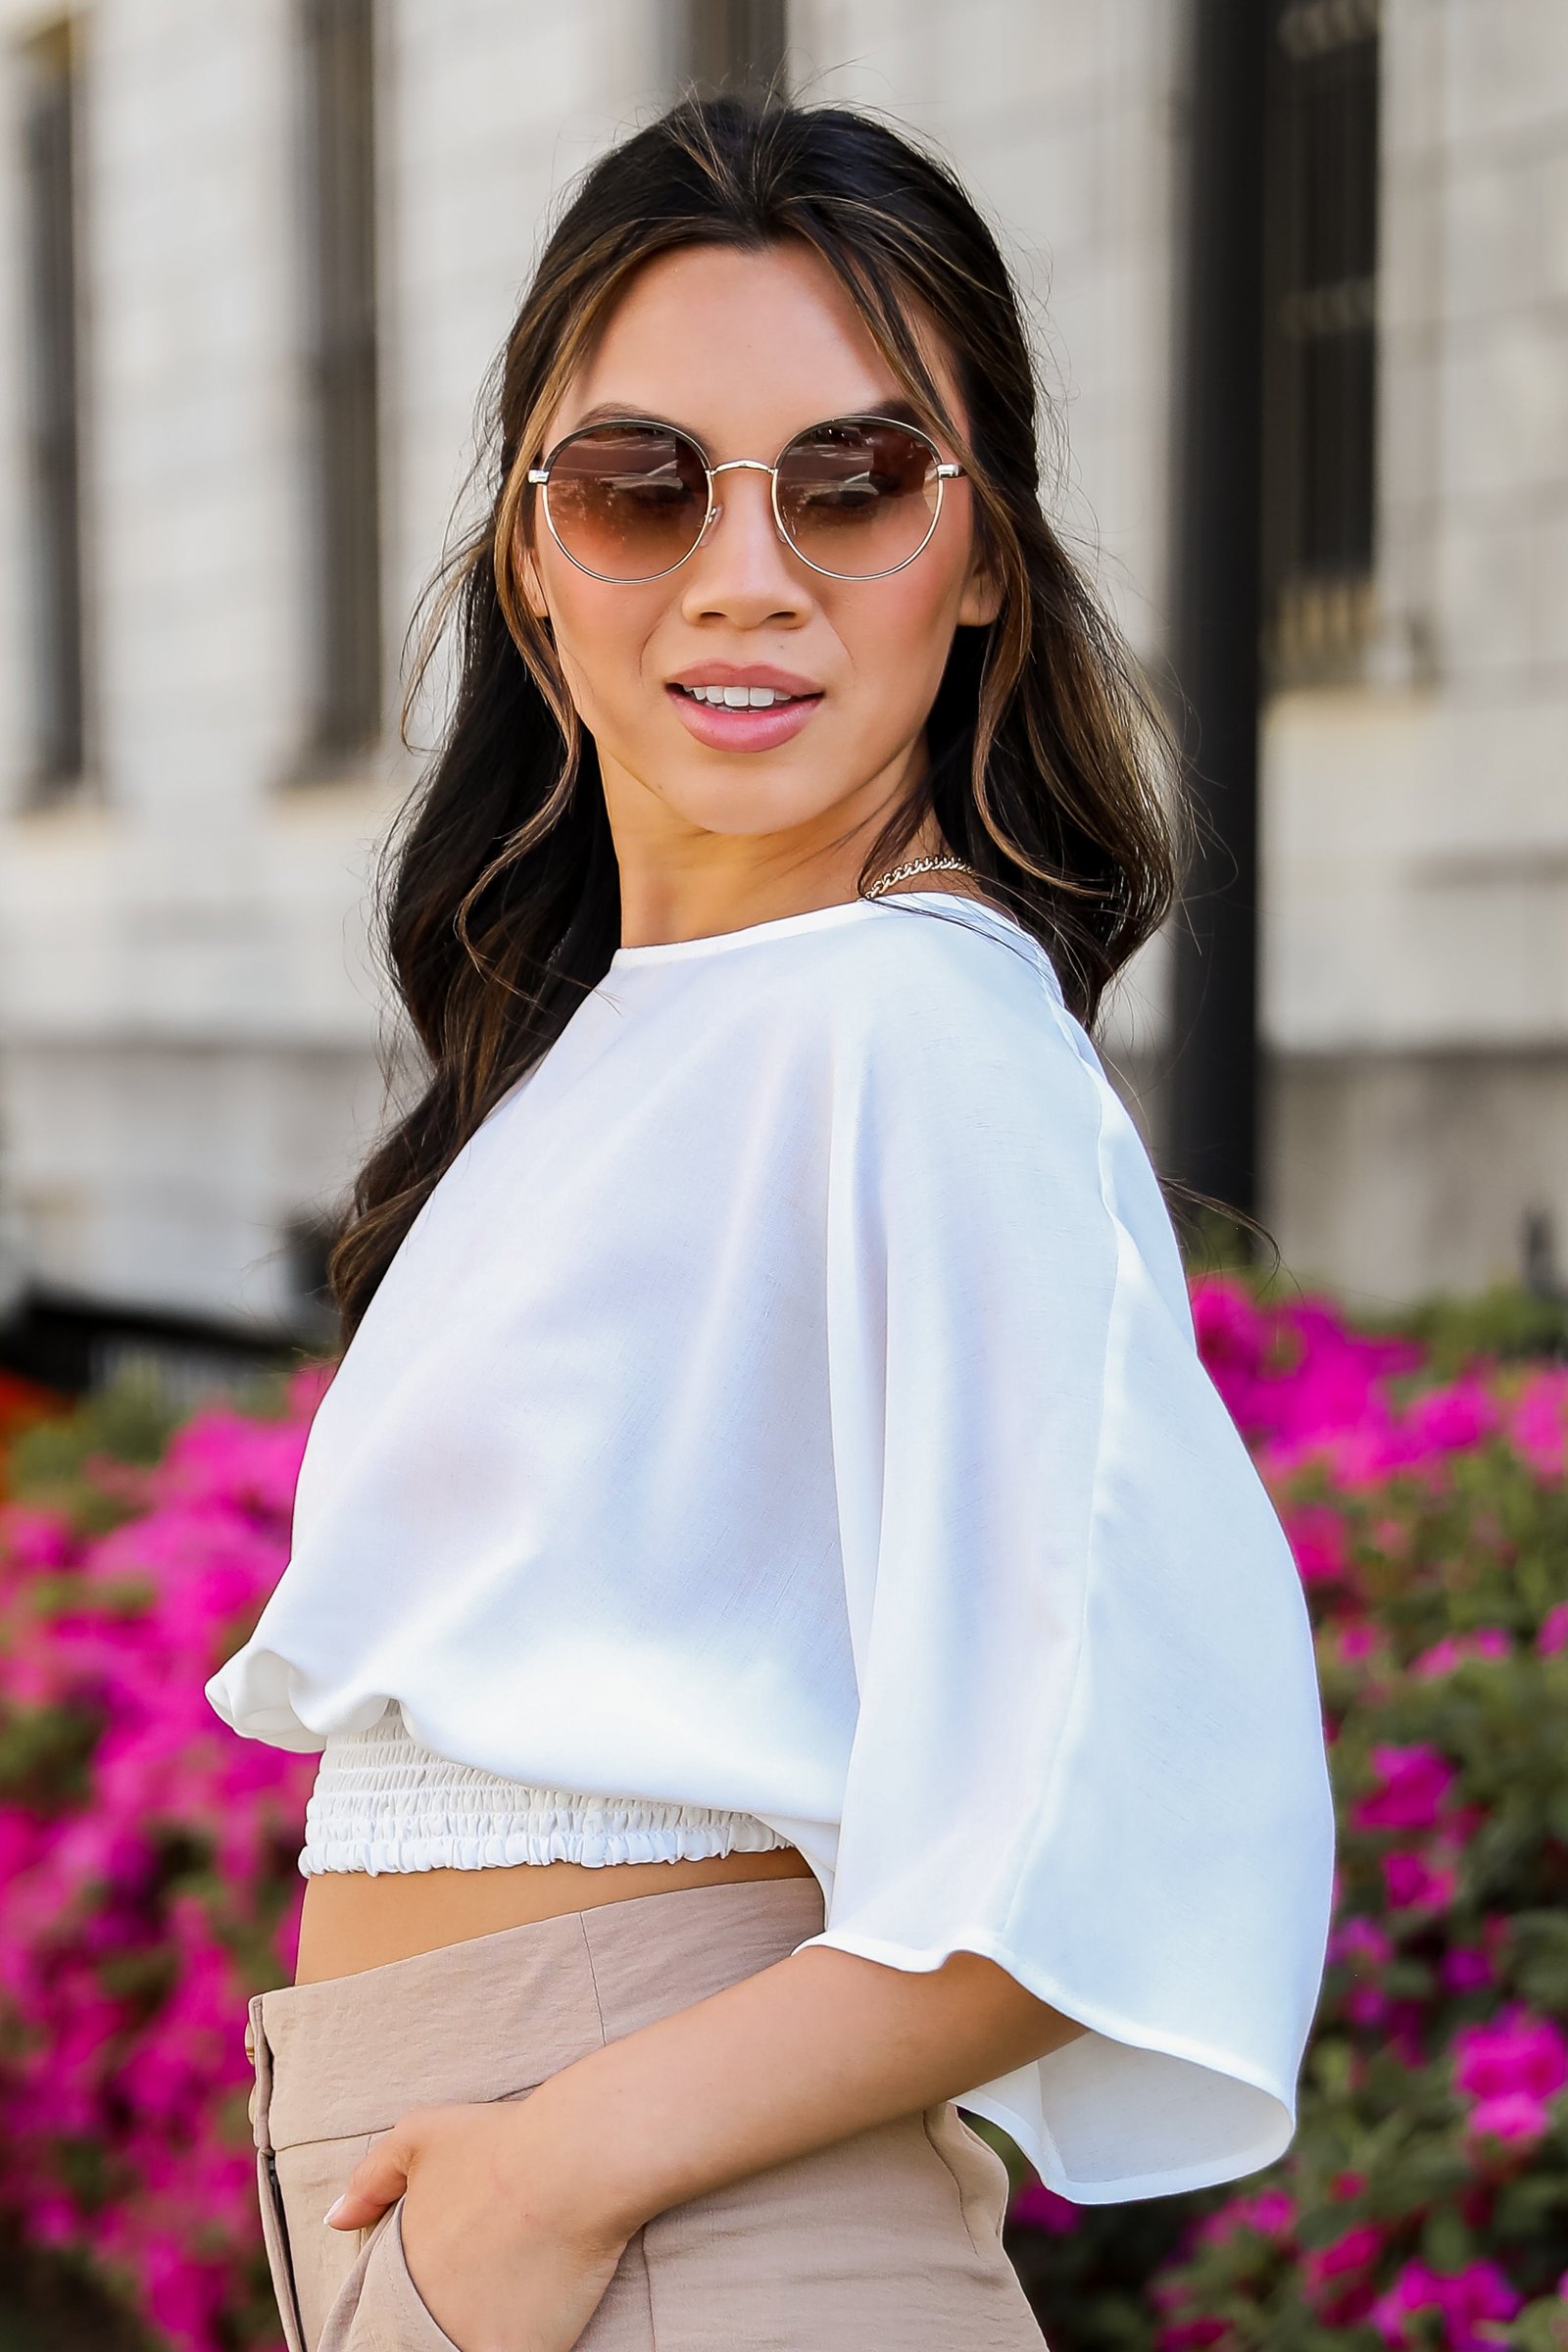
335, 2208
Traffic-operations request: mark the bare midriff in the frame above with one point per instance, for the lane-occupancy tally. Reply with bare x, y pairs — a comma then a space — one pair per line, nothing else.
355, 1919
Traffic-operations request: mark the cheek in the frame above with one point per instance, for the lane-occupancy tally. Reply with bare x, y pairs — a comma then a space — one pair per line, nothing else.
897, 633
602, 635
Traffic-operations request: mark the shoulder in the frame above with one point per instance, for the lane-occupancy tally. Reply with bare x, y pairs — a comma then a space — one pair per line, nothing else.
949, 995
909, 962
959, 1070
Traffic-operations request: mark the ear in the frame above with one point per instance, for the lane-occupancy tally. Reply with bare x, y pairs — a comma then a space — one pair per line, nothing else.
981, 600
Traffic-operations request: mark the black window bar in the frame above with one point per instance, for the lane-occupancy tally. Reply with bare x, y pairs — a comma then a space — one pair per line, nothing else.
1320, 359
52, 426
345, 483
735, 45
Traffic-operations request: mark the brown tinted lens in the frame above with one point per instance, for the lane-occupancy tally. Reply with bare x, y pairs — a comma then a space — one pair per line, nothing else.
628, 501
856, 497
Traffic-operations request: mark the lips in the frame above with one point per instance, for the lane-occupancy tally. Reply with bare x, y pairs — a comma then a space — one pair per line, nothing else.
736, 707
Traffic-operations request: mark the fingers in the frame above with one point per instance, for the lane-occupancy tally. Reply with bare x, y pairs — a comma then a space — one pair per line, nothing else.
379, 2177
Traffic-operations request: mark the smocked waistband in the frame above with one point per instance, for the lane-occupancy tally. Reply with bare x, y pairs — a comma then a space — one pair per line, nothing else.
383, 1801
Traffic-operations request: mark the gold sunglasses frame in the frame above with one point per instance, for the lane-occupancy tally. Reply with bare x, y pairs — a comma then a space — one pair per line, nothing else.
539, 478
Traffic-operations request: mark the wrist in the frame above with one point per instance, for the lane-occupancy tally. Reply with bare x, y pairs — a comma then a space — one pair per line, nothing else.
577, 2165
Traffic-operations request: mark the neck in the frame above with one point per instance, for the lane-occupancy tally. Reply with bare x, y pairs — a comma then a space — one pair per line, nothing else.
680, 881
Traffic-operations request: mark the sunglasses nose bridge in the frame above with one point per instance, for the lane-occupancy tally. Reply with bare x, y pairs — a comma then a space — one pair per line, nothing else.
715, 504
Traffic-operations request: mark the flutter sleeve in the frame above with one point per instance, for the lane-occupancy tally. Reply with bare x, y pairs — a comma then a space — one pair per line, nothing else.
1089, 1742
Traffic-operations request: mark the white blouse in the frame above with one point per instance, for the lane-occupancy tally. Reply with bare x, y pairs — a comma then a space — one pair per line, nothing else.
787, 1402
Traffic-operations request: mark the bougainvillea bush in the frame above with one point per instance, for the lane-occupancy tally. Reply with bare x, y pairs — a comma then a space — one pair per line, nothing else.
147, 1856
1424, 2201
148, 1867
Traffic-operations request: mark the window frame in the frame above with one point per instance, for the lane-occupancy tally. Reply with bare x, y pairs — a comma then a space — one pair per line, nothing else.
346, 674
1320, 357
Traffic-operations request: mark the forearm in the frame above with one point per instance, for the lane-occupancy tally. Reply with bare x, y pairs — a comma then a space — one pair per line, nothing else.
808, 2052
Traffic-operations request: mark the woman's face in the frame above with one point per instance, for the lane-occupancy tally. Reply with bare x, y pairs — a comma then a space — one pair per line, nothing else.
742, 350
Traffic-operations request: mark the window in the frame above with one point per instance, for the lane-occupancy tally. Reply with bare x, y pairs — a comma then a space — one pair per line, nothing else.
1321, 334
345, 472
52, 424
734, 44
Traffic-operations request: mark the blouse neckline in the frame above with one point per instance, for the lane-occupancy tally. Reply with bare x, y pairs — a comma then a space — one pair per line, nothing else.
786, 926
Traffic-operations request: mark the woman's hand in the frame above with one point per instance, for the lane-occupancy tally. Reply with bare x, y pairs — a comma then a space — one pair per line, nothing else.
504, 2255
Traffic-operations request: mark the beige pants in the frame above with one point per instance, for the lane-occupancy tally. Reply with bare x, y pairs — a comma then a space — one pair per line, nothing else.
889, 2242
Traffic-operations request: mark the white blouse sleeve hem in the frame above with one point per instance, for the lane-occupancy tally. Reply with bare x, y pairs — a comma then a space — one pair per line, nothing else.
1179, 2180
1249, 2120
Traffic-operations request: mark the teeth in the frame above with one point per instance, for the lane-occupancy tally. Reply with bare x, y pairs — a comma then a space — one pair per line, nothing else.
739, 698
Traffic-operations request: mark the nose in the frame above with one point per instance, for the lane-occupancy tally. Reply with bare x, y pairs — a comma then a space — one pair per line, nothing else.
743, 569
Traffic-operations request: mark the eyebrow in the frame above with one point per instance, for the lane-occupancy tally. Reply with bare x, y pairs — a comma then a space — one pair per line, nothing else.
612, 412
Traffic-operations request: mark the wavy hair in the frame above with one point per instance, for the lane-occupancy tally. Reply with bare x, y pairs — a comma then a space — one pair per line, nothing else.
1049, 770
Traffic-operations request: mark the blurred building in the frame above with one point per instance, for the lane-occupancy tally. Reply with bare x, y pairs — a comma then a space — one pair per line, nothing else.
254, 263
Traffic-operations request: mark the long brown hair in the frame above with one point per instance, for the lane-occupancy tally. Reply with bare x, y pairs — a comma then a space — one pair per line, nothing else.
1050, 767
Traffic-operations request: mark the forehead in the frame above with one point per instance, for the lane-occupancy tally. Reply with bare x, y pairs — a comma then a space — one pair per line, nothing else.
740, 347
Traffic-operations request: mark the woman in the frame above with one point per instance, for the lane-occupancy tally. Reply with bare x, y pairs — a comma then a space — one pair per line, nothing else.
793, 1639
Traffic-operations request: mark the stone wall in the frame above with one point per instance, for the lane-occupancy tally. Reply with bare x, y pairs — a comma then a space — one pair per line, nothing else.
1416, 819
190, 1009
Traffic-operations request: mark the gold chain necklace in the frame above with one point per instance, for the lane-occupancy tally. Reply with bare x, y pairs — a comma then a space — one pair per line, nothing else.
917, 865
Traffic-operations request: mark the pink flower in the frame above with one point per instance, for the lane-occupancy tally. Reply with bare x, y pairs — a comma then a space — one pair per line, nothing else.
1518, 2053
308, 1386
32, 1538
1468, 2302
1294, 1378
1412, 1883
1516, 2118
1037, 2207
1366, 1946
1359, 1938
1337, 2279
1411, 1786
1235, 1339
1451, 1420
1351, 2252
1490, 1643
1553, 1634
1465, 1969
1271, 2214
1320, 1539
1403, 2023
1538, 1430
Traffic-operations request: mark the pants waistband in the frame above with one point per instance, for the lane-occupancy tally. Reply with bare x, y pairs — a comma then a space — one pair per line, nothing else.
499, 2014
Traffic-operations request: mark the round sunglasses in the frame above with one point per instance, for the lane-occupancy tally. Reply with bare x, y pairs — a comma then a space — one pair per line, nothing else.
856, 498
